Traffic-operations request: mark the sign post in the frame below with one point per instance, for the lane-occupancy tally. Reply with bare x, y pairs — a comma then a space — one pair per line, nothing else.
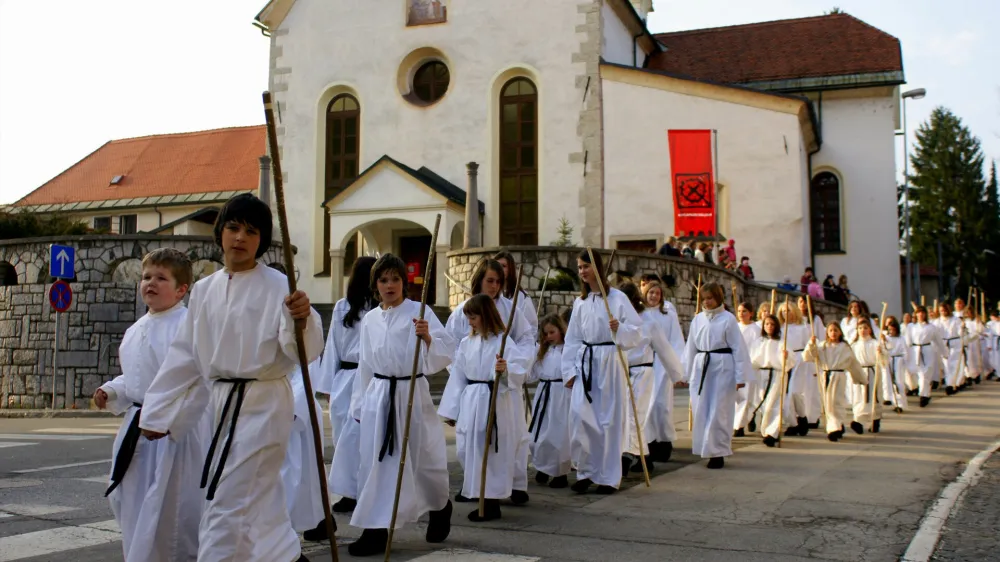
62, 265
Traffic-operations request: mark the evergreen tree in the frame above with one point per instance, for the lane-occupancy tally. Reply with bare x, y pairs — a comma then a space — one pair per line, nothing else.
949, 199
565, 232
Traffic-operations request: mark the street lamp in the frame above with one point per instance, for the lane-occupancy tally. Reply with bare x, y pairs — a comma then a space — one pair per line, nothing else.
916, 94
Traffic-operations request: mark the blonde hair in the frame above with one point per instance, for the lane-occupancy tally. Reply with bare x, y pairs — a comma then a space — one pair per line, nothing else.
175, 260
763, 310
794, 316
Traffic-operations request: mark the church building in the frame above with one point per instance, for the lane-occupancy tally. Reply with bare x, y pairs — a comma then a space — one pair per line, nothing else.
560, 109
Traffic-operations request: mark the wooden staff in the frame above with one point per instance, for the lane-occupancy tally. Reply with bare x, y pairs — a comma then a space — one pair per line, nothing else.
820, 380
697, 307
935, 305
493, 399
923, 300
913, 305
413, 386
969, 299
774, 297
541, 297
982, 306
628, 378
607, 267
736, 300
300, 344
875, 377
784, 362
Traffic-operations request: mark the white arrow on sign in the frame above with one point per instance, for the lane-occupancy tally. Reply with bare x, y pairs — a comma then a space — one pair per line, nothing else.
62, 258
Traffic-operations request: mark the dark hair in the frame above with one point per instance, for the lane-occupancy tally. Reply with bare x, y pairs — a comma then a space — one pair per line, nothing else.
510, 281
559, 324
891, 322
597, 266
809, 270
920, 308
946, 306
717, 293
663, 298
566, 315
483, 306
744, 258
387, 262
857, 332
839, 329
480, 275
175, 260
649, 277
763, 329
359, 290
634, 297
246, 209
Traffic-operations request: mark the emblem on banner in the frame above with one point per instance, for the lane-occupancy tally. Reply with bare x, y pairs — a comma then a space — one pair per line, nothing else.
693, 191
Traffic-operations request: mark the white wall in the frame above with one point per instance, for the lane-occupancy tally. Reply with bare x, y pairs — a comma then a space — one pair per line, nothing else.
763, 181
361, 45
617, 44
859, 146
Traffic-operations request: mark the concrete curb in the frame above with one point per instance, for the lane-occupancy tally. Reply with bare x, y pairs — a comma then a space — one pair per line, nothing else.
19, 414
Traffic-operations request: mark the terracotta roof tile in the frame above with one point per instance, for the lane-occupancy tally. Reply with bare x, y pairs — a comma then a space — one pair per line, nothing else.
159, 165
823, 46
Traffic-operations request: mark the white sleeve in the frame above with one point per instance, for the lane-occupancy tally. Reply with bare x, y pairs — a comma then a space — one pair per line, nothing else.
451, 399
327, 367
518, 364
115, 389
440, 353
665, 352
312, 335
572, 345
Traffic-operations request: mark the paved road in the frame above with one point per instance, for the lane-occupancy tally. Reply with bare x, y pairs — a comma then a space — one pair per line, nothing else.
860, 499
972, 533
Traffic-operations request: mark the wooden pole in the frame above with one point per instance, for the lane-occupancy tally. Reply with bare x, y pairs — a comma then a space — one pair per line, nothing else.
607, 266
413, 386
697, 308
875, 379
628, 378
493, 400
923, 300
820, 380
300, 344
781, 389
736, 300
774, 298
541, 297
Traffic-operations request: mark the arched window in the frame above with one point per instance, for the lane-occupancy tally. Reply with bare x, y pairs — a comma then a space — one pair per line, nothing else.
519, 163
431, 81
343, 135
824, 201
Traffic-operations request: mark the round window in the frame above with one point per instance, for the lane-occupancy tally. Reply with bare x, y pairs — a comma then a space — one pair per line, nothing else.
430, 82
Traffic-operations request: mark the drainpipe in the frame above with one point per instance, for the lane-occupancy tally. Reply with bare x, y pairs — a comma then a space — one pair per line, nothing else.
264, 180
159, 214
471, 238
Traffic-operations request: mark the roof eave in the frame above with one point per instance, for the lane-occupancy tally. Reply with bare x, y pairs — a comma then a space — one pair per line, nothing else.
826, 83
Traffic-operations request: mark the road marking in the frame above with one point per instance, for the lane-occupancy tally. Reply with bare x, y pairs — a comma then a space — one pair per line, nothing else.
29, 510
19, 444
79, 431
97, 479
925, 541
60, 539
58, 466
458, 555
43, 437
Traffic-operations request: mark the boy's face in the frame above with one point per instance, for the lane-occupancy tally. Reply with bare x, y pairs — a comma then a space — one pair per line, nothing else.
239, 245
390, 287
159, 288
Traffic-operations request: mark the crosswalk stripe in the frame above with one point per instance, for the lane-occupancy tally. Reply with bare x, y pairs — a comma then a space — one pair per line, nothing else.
458, 555
96, 479
43, 437
79, 430
29, 510
18, 444
60, 539
58, 466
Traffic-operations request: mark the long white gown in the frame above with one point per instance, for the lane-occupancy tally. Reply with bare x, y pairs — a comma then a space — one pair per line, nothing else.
660, 423
713, 374
473, 370
600, 396
974, 331
796, 384
838, 366
240, 338
806, 373
157, 504
549, 429
748, 397
766, 357
642, 362
872, 363
388, 341
993, 344
951, 332
897, 370
926, 349
298, 474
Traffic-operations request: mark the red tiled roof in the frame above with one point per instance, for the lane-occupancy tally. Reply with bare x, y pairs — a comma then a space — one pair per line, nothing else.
823, 46
172, 164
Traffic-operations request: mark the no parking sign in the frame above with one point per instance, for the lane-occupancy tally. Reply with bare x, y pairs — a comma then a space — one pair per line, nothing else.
60, 296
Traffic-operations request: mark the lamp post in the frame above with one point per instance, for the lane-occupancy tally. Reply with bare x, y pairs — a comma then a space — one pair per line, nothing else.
911, 94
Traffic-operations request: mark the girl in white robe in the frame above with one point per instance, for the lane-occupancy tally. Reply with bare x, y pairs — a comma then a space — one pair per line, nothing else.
549, 429
993, 344
153, 493
768, 355
302, 490
811, 390
801, 376
339, 369
592, 368
718, 364
952, 333
748, 399
240, 337
973, 354
898, 364
926, 349
838, 366
867, 396
659, 430
482, 371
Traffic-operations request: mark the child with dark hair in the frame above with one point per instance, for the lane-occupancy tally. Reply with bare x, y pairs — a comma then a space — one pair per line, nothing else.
953, 333
239, 337
659, 430
747, 398
550, 423
767, 355
836, 362
926, 347
899, 368
389, 337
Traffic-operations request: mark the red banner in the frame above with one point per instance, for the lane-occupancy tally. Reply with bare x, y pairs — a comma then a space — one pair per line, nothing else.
693, 182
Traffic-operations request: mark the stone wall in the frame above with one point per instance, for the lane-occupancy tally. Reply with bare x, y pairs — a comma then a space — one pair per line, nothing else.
537, 260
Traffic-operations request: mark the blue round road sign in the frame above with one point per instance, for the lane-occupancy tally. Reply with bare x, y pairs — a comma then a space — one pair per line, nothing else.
60, 296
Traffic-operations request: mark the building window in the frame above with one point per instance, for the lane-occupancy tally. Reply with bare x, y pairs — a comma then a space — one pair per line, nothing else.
824, 201
102, 224
127, 224
343, 139
647, 246
431, 81
519, 163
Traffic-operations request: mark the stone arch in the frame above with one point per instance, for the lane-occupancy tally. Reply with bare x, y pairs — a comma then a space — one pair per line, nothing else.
128, 270
8, 275
458, 235
562, 279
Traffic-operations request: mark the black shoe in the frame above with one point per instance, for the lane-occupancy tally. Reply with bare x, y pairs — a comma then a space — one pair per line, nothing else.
716, 462
581, 486
459, 498
814, 425
935, 385
345, 505
949, 390
605, 490
857, 428
541, 477
739, 433
626, 464
491, 511
319, 532
519, 497
662, 451
898, 410
302, 558
978, 379
803, 426
752, 426
876, 426
835, 436
439, 524
924, 401
770, 441
913, 392
887, 402
637, 467
792, 431
371, 542
559, 482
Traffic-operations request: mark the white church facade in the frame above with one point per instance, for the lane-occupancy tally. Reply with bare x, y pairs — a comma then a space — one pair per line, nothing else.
564, 107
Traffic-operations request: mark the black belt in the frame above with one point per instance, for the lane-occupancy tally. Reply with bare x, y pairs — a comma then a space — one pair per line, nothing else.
892, 366
348, 365
708, 358
544, 395
639, 366
588, 374
828, 372
389, 439
798, 350
920, 351
239, 388
126, 450
767, 389
949, 340
871, 382
496, 430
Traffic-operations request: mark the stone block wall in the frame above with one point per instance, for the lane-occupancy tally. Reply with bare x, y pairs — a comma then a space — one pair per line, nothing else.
88, 337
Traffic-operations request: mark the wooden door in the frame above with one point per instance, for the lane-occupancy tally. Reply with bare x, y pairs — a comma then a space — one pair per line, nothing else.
413, 250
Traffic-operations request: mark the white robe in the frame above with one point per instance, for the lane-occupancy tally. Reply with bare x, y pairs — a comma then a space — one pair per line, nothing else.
926, 350
388, 341
549, 429
157, 504
713, 378
597, 423
298, 474
656, 351
993, 344
951, 332
342, 346
798, 336
660, 423
805, 371
748, 397
837, 365
973, 348
766, 357
897, 370
238, 328
474, 365
870, 391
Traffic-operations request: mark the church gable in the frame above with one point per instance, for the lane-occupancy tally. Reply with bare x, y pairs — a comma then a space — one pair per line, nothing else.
390, 183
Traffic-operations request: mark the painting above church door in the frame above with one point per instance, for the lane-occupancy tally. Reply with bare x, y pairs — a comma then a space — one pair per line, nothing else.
422, 12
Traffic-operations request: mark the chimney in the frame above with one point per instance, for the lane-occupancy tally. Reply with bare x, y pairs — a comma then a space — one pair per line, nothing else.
264, 179
471, 239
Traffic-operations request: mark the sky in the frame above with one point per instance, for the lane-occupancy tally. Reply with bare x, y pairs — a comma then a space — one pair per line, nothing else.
75, 74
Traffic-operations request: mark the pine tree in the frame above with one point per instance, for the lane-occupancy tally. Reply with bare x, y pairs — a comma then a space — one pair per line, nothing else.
565, 232
949, 199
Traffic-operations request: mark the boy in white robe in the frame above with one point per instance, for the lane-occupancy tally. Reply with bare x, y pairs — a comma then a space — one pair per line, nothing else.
390, 334
549, 429
811, 388
898, 365
659, 430
152, 492
926, 348
952, 333
298, 473
749, 398
239, 337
